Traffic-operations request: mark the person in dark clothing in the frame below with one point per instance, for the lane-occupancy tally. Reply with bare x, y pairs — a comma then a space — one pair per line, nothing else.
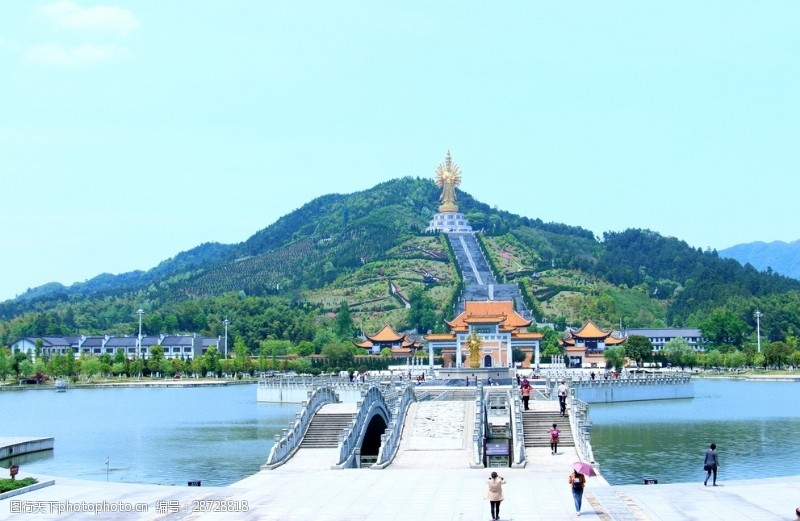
711, 464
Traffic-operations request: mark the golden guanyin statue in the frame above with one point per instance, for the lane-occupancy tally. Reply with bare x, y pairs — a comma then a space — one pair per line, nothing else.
474, 343
448, 177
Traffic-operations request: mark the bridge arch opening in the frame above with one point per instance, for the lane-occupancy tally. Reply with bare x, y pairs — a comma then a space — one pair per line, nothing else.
372, 436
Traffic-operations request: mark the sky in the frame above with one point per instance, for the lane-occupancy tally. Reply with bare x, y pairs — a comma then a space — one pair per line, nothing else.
133, 130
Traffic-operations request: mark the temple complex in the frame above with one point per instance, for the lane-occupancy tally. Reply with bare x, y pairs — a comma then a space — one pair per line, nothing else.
584, 347
400, 344
448, 177
498, 330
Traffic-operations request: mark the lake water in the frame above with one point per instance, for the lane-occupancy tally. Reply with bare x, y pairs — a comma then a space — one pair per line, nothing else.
150, 435
220, 435
754, 424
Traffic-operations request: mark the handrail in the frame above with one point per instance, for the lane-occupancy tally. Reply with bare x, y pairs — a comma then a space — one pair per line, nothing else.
479, 430
285, 446
390, 440
580, 425
518, 459
373, 398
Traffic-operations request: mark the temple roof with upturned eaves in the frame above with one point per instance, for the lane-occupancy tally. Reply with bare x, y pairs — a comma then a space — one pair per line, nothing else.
386, 334
489, 312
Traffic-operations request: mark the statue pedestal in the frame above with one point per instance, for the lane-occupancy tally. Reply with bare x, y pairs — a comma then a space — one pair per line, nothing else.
449, 222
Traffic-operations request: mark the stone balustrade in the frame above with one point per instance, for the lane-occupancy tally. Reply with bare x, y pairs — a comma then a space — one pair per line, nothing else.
390, 440
372, 399
581, 428
286, 444
479, 431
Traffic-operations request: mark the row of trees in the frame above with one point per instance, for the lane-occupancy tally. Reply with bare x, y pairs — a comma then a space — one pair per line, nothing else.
679, 353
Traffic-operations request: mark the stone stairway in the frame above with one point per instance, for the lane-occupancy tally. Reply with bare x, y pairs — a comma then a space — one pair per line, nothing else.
536, 428
324, 430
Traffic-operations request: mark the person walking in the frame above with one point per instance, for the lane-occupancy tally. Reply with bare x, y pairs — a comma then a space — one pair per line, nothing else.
577, 481
562, 397
711, 464
495, 494
554, 434
525, 391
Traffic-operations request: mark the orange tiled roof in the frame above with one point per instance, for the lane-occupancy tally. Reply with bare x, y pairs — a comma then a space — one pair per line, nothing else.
590, 330
440, 336
366, 344
386, 334
401, 350
528, 336
489, 311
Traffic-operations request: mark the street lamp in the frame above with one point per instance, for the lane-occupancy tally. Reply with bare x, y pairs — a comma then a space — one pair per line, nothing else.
758, 316
140, 312
225, 323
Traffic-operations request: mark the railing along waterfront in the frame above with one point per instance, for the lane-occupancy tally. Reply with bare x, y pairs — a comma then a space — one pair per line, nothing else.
517, 436
373, 398
286, 445
390, 440
580, 426
479, 430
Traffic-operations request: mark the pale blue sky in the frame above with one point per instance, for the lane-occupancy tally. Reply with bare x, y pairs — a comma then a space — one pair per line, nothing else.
131, 131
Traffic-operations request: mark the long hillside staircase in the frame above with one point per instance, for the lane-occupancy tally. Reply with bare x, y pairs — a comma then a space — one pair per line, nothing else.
324, 430
536, 428
479, 281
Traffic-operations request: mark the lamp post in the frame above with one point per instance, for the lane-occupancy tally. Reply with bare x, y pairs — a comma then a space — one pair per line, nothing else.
758, 316
225, 323
140, 312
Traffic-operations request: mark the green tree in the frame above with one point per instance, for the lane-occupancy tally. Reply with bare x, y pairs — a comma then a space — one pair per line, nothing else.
25, 368
343, 326
778, 354
615, 357
422, 313
5, 363
117, 368
386, 352
156, 361
713, 358
241, 361
678, 352
759, 360
136, 367
91, 366
211, 360
338, 354
724, 329
639, 348
305, 348
734, 359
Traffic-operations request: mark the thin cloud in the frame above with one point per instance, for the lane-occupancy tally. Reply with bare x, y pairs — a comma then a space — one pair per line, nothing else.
57, 54
99, 17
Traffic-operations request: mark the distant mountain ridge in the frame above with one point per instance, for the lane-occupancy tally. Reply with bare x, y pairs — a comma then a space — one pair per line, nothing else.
782, 257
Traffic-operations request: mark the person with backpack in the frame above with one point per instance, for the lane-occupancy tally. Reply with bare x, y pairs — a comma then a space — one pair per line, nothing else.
577, 481
554, 434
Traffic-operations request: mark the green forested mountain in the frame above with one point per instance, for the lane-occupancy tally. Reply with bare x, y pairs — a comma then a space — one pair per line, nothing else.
367, 249
777, 256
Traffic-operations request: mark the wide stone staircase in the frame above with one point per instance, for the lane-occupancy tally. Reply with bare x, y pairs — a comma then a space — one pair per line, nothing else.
324, 430
536, 427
